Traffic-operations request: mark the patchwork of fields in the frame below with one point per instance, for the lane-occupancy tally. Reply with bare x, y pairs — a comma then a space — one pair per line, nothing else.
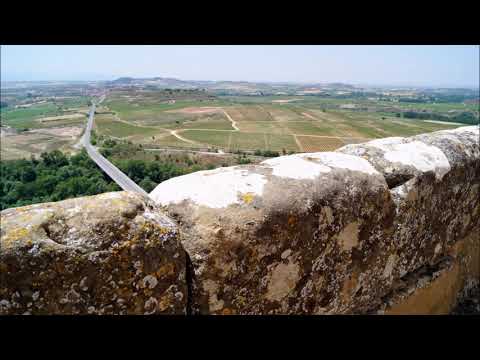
253, 123
42, 127
229, 124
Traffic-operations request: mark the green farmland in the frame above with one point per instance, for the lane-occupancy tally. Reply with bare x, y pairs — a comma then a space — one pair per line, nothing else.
277, 123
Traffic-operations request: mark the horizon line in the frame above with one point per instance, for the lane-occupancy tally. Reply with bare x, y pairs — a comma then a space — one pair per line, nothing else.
314, 82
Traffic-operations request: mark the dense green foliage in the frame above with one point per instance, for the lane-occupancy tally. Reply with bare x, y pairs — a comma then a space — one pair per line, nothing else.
56, 176
462, 117
266, 153
53, 177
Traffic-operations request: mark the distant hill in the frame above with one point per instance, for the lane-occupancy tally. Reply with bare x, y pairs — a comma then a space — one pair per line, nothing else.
226, 87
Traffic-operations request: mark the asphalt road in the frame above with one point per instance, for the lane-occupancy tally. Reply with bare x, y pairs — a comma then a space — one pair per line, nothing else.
115, 174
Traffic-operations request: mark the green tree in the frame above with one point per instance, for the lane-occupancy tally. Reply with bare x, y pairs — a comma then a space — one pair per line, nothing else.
147, 184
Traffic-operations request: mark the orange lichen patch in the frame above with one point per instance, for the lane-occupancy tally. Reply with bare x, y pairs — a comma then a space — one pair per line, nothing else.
228, 311
248, 197
166, 270
292, 220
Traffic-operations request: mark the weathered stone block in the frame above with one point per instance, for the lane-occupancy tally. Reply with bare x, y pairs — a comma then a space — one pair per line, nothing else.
114, 253
436, 189
291, 235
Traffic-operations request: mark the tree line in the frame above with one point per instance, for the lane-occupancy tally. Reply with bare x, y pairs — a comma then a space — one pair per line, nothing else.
463, 117
56, 176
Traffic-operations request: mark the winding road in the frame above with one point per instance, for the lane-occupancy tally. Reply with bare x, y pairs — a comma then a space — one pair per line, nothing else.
111, 170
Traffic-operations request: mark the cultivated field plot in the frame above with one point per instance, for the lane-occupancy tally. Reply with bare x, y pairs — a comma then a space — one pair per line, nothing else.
148, 138
314, 144
168, 140
248, 141
217, 121
370, 126
208, 137
283, 112
281, 142
108, 125
35, 142
382, 126
310, 128
251, 112
172, 141
138, 106
42, 126
236, 140
62, 118
45, 114
270, 127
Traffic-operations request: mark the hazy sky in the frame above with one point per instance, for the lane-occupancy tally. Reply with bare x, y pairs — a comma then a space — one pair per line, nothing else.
454, 66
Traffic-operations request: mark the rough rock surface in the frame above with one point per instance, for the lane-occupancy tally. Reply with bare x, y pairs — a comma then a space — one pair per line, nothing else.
354, 231
292, 240
386, 227
436, 190
470, 305
114, 253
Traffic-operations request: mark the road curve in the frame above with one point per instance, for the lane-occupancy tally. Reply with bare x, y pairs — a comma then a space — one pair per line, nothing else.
111, 170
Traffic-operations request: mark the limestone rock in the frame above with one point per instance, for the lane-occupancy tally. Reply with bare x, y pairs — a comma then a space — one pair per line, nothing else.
460, 146
435, 213
288, 236
114, 253
400, 159
437, 207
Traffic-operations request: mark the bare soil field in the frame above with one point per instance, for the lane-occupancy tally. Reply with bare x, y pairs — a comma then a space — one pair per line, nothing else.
61, 117
443, 122
32, 143
71, 131
196, 110
283, 101
309, 116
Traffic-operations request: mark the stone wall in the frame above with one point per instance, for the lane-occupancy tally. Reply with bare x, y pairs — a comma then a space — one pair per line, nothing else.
113, 253
386, 227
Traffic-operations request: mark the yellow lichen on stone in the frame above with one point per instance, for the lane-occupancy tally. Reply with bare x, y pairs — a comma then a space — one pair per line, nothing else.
241, 300
164, 303
13, 236
248, 197
166, 270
